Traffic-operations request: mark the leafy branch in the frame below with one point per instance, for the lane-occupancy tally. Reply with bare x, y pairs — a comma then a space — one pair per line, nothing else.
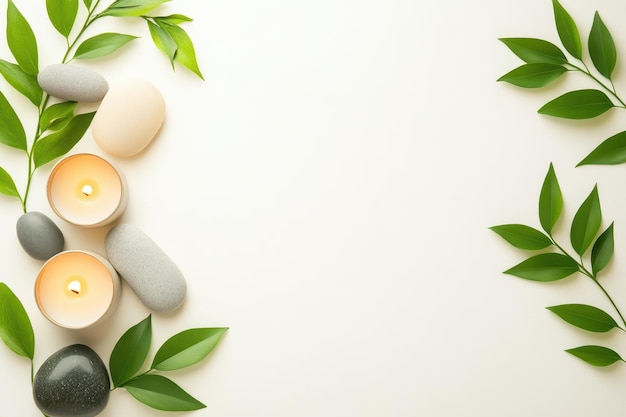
182, 350
558, 263
58, 127
545, 62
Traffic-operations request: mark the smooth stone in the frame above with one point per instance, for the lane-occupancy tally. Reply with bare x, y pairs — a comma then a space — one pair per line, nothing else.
73, 83
39, 236
129, 117
73, 382
152, 275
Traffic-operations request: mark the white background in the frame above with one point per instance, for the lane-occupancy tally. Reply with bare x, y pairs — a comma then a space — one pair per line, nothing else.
327, 192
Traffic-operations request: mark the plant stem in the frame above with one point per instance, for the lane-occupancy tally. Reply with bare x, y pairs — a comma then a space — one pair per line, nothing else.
611, 90
583, 270
46, 98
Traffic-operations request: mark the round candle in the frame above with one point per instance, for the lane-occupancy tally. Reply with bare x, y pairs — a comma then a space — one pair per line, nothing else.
87, 190
77, 289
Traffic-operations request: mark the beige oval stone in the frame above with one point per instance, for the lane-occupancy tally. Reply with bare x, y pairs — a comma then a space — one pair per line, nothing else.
129, 117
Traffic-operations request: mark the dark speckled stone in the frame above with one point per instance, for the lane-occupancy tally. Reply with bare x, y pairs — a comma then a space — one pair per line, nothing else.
73, 382
39, 236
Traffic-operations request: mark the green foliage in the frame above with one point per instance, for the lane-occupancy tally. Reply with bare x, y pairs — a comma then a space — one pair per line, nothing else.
596, 355
102, 45
557, 263
59, 118
15, 329
545, 62
162, 393
130, 352
180, 351
585, 317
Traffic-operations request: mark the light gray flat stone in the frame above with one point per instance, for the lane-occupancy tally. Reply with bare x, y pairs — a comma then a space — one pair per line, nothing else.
152, 275
73, 83
39, 236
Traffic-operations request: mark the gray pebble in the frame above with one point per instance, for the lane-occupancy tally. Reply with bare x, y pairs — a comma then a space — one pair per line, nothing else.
73, 382
152, 275
73, 83
39, 236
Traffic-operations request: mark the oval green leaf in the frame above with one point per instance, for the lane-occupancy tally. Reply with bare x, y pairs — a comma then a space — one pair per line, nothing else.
163, 41
602, 48
595, 355
535, 51
185, 54
522, 236
580, 104
567, 29
61, 142
602, 250
161, 393
187, 348
102, 45
11, 130
533, 75
131, 7
130, 352
62, 15
586, 223
610, 152
23, 82
585, 317
7, 185
21, 40
550, 201
57, 116
16, 330
545, 267
173, 19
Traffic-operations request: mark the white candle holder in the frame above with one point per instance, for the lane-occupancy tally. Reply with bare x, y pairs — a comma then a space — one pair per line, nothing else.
77, 289
87, 190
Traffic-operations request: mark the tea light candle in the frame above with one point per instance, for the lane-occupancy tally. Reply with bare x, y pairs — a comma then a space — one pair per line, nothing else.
87, 190
77, 289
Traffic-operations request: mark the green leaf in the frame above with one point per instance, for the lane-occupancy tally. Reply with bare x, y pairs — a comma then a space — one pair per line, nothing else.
23, 82
61, 142
16, 330
21, 40
173, 19
161, 393
568, 32
7, 185
550, 201
602, 250
545, 267
130, 352
586, 223
87, 4
533, 75
602, 48
163, 41
187, 348
522, 237
57, 116
11, 130
102, 45
585, 317
535, 51
131, 7
580, 104
62, 14
186, 54
610, 152
595, 355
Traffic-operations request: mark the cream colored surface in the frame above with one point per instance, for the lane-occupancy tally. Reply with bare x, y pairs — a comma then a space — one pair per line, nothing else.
327, 192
